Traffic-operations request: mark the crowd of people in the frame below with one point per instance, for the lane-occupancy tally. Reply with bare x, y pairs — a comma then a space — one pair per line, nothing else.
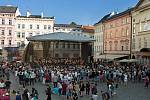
75, 80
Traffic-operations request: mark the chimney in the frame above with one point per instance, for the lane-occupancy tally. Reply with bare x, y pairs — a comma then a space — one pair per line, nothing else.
42, 15
28, 13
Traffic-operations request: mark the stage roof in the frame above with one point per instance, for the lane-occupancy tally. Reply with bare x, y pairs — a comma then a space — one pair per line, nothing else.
61, 36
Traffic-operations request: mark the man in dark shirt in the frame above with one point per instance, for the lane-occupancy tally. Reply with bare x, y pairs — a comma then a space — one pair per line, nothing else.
7, 84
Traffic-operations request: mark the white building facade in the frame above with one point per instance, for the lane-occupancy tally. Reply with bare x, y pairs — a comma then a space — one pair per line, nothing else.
32, 25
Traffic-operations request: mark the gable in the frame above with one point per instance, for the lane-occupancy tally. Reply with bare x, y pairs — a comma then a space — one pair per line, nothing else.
142, 3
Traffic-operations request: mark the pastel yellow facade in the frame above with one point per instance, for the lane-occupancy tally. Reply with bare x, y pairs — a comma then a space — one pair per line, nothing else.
98, 43
141, 29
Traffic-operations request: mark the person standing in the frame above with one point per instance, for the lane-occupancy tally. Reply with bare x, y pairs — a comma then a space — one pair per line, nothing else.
25, 95
82, 87
125, 79
87, 88
18, 96
7, 84
74, 95
48, 93
146, 81
105, 95
64, 88
60, 88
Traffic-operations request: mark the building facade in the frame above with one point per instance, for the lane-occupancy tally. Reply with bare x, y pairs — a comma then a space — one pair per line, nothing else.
117, 33
67, 28
7, 31
98, 35
141, 31
32, 25
98, 44
7, 25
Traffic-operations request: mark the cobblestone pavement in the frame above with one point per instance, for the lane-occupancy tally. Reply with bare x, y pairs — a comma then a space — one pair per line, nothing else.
133, 91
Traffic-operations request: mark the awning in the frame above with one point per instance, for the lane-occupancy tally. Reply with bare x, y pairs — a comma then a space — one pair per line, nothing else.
145, 50
128, 60
110, 57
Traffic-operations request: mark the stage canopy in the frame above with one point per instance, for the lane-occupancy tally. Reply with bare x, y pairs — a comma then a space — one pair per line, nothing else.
128, 60
61, 36
111, 56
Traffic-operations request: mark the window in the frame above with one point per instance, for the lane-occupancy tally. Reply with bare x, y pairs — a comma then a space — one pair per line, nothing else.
18, 44
127, 47
115, 34
123, 21
127, 20
31, 26
63, 45
37, 46
57, 28
139, 43
49, 27
45, 26
2, 42
10, 22
134, 30
18, 26
122, 32
18, 34
9, 42
30, 34
105, 46
3, 32
57, 45
122, 48
110, 46
68, 45
56, 55
23, 34
106, 35
23, 26
78, 46
3, 21
110, 34
116, 46
145, 42
127, 32
38, 27
37, 33
74, 46
133, 43
10, 32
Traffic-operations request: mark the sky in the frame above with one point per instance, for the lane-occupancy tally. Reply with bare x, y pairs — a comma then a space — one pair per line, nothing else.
85, 12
